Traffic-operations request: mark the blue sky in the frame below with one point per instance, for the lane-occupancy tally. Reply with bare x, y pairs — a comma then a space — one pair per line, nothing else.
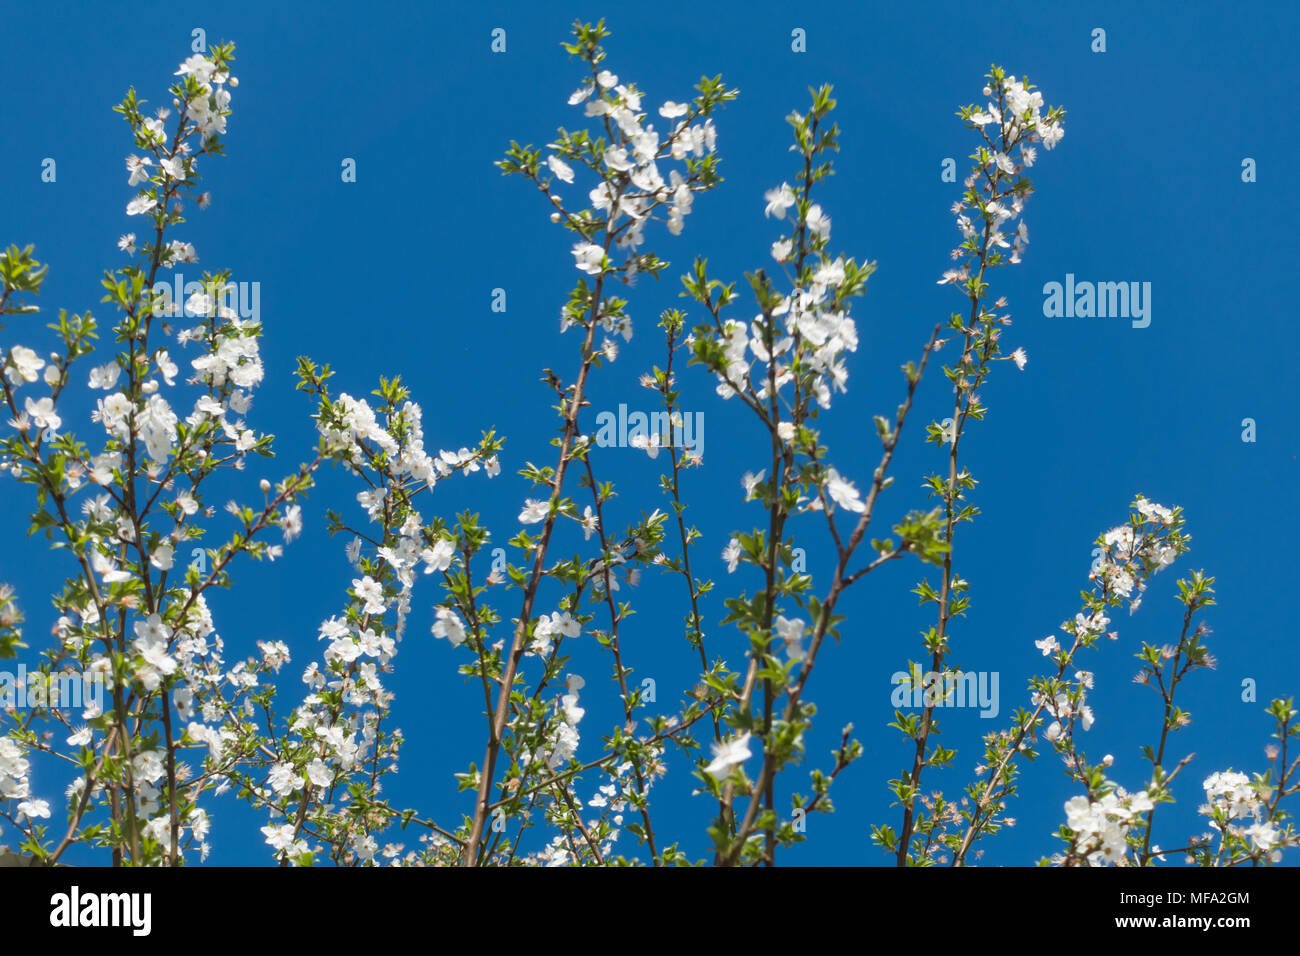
394, 274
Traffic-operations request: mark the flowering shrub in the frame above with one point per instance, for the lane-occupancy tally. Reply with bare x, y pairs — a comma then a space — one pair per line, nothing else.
188, 717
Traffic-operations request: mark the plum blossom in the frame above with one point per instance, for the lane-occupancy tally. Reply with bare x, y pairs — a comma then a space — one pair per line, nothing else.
728, 754
449, 625
843, 492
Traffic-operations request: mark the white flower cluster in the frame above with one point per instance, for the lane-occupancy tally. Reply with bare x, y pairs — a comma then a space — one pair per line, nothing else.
191, 652
14, 767
21, 366
632, 185
637, 187
206, 109
234, 354
231, 366
1023, 114
556, 853
824, 334
361, 645
1085, 625
562, 738
615, 794
1233, 797
282, 839
1124, 547
1062, 709
353, 423
1009, 153
172, 647
561, 623
1101, 827
149, 768
209, 108
612, 799
331, 741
